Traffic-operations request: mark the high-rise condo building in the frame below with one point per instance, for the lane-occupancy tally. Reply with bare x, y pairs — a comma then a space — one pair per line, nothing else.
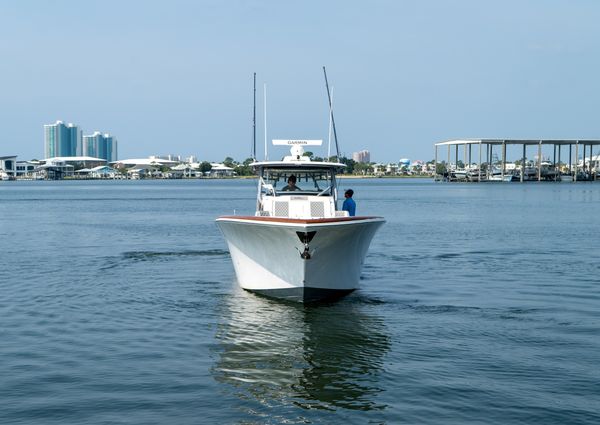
362, 156
91, 143
100, 145
61, 140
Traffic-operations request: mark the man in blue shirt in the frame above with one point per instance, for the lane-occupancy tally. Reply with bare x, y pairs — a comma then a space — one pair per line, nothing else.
349, 204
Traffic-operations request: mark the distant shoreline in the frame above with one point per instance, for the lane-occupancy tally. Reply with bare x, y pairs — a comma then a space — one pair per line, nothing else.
352, 176
340, 177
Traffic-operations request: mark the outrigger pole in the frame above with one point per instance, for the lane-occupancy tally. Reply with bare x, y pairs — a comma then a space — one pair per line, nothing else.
265, 116
254, 122
337, 148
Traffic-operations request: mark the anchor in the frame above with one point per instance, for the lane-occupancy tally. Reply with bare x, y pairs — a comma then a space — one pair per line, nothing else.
305, 238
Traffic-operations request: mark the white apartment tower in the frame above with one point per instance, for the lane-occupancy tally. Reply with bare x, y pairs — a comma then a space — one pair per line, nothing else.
362, 156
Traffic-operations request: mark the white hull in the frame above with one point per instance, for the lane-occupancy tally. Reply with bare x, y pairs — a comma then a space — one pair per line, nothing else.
269, 254
500, 178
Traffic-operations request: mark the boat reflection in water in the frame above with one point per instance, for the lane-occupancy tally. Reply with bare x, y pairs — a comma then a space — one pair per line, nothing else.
315, 357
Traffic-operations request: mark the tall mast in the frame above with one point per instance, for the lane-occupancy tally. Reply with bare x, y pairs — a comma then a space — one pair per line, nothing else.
337, 147
265, 116
254, 122
330, 116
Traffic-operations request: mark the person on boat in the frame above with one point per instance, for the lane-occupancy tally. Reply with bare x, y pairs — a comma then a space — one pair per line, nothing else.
291, 184
349, 204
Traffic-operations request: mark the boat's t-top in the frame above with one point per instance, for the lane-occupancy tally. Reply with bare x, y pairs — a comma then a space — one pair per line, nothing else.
297, 187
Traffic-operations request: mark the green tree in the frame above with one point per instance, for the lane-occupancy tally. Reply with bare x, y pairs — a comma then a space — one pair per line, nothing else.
350, 163
229, 162
440, 168
362, 168
244, 169
205, 167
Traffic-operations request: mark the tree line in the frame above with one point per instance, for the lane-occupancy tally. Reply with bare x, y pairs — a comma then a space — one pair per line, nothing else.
245, 169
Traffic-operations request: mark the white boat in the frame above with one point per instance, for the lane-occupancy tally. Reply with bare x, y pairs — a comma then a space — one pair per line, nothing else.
298, 245
459, 174
498, 176
4, 176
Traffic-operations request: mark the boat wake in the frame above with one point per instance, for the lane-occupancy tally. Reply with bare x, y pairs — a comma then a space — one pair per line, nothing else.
159, 256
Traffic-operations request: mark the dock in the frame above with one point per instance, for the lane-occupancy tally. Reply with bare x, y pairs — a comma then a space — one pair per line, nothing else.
485, 165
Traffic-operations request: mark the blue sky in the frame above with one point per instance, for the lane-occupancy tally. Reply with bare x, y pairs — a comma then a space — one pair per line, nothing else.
176, 76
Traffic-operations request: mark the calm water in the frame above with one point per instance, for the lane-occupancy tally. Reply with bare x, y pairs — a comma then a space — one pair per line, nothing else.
479, 304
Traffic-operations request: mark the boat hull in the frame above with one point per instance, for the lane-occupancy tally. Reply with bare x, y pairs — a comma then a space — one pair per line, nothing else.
299, 260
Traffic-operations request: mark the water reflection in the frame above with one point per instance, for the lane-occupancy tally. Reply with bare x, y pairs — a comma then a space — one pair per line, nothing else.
323, 357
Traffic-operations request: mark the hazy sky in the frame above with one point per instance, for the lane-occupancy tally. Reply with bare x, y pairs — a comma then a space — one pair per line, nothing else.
176, 76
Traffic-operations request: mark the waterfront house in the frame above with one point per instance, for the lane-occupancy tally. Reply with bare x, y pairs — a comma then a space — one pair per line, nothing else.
385, 169
182, 170
151, 165
55, 169
220, 170
8, 167
100, 172
78, 162
26, 169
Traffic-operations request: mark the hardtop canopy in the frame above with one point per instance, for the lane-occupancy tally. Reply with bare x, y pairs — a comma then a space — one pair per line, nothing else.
299, 165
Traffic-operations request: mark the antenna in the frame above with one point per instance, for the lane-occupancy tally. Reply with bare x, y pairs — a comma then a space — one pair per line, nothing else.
254, 122
265, 115
337, 148
330, 117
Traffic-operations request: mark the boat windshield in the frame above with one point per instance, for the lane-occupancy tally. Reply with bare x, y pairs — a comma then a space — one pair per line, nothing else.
294, 181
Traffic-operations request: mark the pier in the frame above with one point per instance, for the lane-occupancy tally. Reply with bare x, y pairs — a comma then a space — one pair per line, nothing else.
483, 163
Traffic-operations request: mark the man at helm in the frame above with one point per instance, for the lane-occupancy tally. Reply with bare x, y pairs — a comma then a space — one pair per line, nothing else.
291, 184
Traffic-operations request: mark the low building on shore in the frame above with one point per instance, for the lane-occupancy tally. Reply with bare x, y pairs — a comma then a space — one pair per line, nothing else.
184, 169
100, 172
390, 169
26, 169
78, 162
55, 170
220, 170
151, 161
8, 167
